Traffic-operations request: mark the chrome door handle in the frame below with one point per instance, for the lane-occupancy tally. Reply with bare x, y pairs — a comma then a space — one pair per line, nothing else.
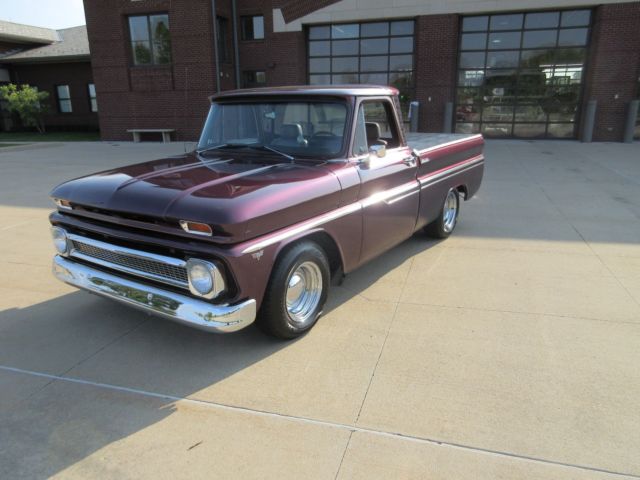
410, 161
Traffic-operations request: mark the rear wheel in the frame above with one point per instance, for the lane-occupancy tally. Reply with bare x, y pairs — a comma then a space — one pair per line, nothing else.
442, 226
296, 292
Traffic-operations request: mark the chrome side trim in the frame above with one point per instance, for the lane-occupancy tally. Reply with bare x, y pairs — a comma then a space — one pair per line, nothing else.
451, 143
118, 250
432, 179
173, 306
304, 226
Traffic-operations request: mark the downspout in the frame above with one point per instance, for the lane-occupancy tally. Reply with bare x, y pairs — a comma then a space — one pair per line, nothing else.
236, 53
215, 44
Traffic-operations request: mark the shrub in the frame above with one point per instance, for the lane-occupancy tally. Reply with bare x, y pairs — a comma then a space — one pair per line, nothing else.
27, 102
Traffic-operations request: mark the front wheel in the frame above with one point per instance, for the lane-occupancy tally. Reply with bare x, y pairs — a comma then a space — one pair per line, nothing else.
296, 292
442, 226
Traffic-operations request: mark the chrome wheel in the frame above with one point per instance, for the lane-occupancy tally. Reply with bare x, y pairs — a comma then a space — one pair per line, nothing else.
450, 211
304, 290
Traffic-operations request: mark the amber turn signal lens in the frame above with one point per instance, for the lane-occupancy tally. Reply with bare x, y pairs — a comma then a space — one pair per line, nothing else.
196, 228
63, 204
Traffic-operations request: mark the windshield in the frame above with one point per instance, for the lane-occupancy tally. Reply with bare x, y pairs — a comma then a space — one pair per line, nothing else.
300, 129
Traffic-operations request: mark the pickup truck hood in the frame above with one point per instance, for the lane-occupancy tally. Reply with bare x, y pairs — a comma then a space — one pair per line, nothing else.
240, 195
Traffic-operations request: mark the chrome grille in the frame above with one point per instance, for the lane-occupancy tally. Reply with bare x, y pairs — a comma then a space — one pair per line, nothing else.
135, 262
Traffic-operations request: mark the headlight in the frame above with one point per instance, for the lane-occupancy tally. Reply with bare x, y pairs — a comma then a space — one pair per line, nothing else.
60, 241
205, 279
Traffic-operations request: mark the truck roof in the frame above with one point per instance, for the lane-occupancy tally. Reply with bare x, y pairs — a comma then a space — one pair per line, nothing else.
331, 90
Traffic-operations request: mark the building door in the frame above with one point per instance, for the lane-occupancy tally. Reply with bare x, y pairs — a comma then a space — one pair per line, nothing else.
521, 74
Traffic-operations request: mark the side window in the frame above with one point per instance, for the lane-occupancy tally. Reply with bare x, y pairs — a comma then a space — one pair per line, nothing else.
375, 125
360, 146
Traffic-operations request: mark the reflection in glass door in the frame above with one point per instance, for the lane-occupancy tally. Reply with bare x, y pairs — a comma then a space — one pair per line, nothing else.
520, 75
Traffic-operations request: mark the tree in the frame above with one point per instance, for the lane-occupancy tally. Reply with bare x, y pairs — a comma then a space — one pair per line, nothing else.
27, 102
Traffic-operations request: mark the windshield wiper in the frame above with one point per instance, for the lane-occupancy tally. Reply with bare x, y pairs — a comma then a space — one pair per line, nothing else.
255, 146
258, 146
221, 146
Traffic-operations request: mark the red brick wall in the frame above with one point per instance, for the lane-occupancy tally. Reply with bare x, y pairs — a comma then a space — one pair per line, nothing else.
173, 96
282, 56
613, 67
435, 68
46, 76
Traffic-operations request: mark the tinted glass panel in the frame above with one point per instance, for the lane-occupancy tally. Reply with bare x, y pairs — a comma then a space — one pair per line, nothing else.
529, 130
401, 45
402, 28
506, 22
471, 78
400, 62
560, 130
345, 31
503, 40
576, 18
319, 79
539, 39
319, 33
473, 24
473, 41
344, 47
344, 78
374, 78
502, 59
472, 59
374, 64
542, 20
374, 29
574, 37
374, 46
344, 64
319, 65
319, 48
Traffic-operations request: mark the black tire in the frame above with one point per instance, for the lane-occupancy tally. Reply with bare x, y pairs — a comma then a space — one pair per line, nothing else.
443, 226
274, 317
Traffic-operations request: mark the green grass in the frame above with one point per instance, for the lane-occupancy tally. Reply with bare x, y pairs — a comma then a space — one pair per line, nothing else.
49, 137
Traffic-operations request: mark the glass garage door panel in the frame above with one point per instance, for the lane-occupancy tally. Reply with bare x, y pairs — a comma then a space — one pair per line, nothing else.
520, 75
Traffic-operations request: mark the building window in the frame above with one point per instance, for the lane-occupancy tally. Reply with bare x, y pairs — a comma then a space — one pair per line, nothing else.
93, 102
377, 53
252, 27
222, 32
64, 99
254, 79
150, 39
520, 74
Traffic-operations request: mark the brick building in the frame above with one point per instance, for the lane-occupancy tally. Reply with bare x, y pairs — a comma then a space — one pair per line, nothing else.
525, 70
56, 61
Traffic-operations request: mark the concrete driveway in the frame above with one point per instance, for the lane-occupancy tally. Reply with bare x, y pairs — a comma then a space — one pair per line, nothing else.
510, 350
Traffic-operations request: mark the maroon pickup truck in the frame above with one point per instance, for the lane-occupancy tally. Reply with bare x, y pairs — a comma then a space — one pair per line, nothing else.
289, 189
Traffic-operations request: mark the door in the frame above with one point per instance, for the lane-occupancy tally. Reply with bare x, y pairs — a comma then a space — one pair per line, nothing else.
389, 188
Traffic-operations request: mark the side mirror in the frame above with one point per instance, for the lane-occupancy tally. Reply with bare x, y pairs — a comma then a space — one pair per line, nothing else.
379, 151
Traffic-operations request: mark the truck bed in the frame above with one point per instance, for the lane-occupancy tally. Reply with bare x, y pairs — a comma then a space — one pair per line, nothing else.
428, 141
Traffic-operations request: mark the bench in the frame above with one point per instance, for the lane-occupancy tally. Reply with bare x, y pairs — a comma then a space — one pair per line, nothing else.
166, 133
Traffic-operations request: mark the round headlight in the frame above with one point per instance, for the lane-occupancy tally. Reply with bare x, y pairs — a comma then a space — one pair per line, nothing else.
201, 276
60, 241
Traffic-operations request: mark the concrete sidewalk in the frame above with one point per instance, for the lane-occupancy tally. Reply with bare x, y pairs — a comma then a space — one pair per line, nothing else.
508, 351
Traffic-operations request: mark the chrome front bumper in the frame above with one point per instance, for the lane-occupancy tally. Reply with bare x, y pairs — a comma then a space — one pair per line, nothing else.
174, 306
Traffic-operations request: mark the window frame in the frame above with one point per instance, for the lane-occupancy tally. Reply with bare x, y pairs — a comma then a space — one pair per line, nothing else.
246, 84
250, 17
93, 99
65, 99
391, 110
152, 50
222, 39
